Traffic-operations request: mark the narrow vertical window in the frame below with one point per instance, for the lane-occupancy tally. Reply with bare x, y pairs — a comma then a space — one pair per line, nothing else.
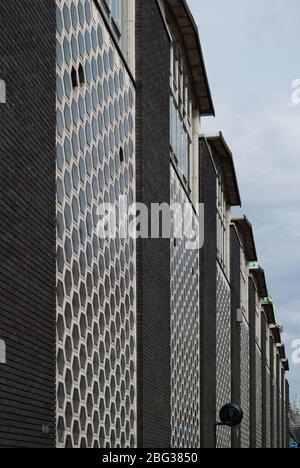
2, 352
2, 92
121, 155
81, 75
116, 11
180, 124
74, 78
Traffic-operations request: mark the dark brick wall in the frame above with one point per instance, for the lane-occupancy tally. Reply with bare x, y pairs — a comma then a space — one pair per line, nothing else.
287, 411
252, 312
283, 408
153, 256
208, 287
27, 223
235, 280
272, 401
264, 328
278, 400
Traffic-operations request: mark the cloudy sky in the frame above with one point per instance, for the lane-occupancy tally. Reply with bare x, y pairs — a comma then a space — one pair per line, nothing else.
251, 49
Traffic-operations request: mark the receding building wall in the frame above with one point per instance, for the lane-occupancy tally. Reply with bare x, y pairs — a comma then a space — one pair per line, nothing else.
278, 401
245, 356
264, 331
272, 393
283, 417
252, 319
235, 281
259, 396
153, 265
27, 224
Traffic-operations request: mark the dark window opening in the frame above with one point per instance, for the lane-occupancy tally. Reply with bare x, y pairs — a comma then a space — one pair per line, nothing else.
81, 75
121, 155
74, 78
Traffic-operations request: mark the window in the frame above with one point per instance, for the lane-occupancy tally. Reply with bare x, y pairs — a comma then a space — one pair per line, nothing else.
2, 352
116, 10
114, 7
180, 114
222, 226
121, 153
268, 345
244, 286
2, 92
81, 75
258, 323
74, 78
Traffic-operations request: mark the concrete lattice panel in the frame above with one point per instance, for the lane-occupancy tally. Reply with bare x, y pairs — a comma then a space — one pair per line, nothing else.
268, 410
185, 335
223, 354
96, 321
245, 384
259, 401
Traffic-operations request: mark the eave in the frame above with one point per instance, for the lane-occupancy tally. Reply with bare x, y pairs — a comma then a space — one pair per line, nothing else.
190, 37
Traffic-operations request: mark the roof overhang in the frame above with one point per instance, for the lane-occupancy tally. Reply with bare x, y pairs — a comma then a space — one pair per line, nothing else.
282, 355
268, 306
286, 365
245, 231
221, 150
281, 351
190, 36
259, 275
276, 332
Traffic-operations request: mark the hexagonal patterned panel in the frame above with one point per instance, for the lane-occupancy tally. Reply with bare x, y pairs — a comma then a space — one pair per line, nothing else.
268, 409
259, 401
223, 354
245, 384
275, 433
96, 333
185, 335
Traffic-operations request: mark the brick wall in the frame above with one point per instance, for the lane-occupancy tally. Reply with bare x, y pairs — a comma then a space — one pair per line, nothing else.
153, 255
208, 286
27, 224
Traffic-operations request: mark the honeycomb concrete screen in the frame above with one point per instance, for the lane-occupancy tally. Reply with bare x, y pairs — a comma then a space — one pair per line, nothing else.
96, 334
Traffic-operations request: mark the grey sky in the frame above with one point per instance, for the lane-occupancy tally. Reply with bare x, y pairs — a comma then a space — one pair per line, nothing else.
251, 49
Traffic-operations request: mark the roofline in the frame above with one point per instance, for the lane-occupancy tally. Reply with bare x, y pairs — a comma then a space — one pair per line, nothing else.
259, 272
203, 91
286, 365
226, 159
282, 353
269, 310
276, 331
246, 233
